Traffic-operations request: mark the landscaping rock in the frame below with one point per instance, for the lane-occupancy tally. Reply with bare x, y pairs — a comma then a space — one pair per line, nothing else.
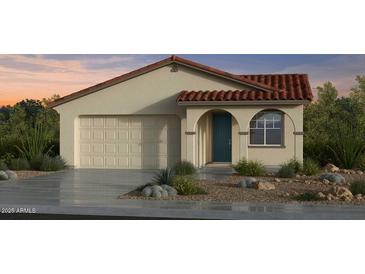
147, 191
325, 181
247, 182
3, 176
11, 174
331, 168
164, 193
333, 177
330, 197
277, 180
320, 195
360, 172
342, 193
157, 188
358, 197
156, 193
264, 186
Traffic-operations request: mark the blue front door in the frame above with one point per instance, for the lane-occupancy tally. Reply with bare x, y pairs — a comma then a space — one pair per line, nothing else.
222, 136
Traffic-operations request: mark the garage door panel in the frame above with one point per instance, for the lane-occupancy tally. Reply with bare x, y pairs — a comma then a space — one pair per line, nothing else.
129, 142
85, 134
98, 135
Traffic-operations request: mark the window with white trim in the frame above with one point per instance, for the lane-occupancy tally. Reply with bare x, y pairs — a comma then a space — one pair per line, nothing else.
266, 129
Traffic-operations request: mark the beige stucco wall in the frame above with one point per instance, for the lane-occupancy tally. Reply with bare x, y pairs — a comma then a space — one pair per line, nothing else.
293, 143
151, 93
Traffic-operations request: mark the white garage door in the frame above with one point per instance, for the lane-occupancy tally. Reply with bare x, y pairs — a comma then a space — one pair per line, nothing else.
129, 142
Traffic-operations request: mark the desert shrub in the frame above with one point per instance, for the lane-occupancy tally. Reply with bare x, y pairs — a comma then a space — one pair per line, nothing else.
37, 161
8, 148
310, 167
3, 165
184, 168
295, 165
249, 168
286, 171
19, 164
34, 141
52, 163
358, 187
163, 177
347, 147
185, 185
307, 196
361, 163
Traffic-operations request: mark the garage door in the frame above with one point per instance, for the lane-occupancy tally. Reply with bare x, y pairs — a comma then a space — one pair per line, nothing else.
129, 142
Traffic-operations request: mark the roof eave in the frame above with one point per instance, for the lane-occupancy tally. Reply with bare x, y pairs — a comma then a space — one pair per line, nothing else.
243, 103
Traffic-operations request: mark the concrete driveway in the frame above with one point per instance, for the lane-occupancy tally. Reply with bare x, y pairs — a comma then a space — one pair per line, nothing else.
74, 187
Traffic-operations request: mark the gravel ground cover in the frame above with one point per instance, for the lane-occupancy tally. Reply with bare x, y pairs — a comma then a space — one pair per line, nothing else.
226, 190
22, 174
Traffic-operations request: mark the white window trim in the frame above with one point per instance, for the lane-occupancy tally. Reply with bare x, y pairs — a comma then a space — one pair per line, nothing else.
264, 128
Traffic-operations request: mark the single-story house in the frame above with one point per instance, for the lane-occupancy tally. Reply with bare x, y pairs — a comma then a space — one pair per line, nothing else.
177, 109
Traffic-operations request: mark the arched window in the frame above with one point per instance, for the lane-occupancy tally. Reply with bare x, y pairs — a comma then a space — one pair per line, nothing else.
266, 129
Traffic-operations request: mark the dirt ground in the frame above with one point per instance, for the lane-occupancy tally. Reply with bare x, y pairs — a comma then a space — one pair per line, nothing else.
227, 190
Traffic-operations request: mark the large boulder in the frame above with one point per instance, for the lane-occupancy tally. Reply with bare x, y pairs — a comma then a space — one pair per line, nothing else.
264, 186
147, 191
3, 176
331, 168
156, 193
342, 193
156, 188
11, 174
170, 190
247, 182
333, 177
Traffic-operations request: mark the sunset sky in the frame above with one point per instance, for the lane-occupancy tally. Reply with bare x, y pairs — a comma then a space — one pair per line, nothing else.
39, 76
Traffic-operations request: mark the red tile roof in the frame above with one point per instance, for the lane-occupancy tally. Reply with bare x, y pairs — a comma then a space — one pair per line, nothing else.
297, 86
237, 95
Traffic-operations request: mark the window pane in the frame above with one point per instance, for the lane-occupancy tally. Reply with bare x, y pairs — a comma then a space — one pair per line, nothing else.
277, 124
260, 123
269, 124
253, 124
257, 136
273, 136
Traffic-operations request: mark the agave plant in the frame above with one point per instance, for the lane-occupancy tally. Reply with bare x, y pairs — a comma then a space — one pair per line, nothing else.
34, 141
164, 177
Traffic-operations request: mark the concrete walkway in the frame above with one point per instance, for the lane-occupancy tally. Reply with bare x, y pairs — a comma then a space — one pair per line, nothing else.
95, 192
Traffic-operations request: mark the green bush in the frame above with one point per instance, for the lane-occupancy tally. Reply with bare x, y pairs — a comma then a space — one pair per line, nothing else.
184, 168
358, 187
310, 167
37, 161
361, 163
249, 168
52, 163
307, 196
164, 177
3, 165
295, 165
19, 164
186, 186
286, 171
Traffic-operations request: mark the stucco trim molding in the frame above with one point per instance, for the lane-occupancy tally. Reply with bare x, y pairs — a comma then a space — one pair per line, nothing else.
190, 132
244, 103
298, 133
243, 133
